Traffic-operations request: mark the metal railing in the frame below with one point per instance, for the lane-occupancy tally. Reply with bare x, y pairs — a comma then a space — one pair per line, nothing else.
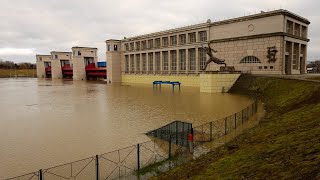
126, 162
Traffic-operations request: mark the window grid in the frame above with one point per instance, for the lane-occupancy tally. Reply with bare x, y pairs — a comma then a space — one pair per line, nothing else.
138, 62
144, 62
183, 38
131, 46
143, 45
192, 59
150, 59
158, 67
173, 57
165, 41
126, 47
132, 62
250, 59
173, 40
182, 60
127, 64
192, 37
137, 45
165, 61
203, 58
150, 43
157, 42
203, 35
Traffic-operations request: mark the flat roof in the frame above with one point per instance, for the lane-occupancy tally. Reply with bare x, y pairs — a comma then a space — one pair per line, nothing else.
84, 47
233, 20
61, 52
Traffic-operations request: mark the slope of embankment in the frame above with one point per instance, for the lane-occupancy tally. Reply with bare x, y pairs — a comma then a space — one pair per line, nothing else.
285, 144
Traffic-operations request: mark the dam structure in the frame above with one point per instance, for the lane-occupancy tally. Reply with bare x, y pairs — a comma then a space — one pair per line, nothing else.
272, 42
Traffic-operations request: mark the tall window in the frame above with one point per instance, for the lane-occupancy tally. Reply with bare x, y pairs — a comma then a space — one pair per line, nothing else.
144, 62
203, 57
150, 59
165, 41
173, 40
289, 27
144, 45
126, 47
138, 62
192, 59
150, 43
295, 59
203, 35
138, 45
173, 56
157, 43
165, 59
182, 54
132, 46
132, 62
304, 32
182, 39
192, 37
127, 64
158, 67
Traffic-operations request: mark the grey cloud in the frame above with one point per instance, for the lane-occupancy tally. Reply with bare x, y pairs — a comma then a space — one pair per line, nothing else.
60, 24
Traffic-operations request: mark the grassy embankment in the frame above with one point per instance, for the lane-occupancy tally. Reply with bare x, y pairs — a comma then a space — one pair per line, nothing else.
286, 143
5, 73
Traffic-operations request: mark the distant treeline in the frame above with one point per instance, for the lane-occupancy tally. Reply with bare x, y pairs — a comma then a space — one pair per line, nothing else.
12, 65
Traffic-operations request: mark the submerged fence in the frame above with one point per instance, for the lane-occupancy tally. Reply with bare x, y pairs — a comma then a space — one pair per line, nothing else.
170, 140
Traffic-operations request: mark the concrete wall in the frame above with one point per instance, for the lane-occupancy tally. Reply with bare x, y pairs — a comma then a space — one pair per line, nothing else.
217, 83
56, 69
234, 51
113, 61
186, 80
249, 27
41, 59
79, 72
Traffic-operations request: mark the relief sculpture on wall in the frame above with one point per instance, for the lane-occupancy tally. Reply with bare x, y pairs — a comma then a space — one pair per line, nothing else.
272, 52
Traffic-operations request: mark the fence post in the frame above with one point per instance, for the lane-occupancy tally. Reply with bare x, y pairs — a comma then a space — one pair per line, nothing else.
225, 126
210, 131
170, 147
138, 156
97, 167
40, 174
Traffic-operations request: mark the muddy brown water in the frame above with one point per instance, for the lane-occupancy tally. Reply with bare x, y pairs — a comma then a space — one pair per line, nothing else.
44, 123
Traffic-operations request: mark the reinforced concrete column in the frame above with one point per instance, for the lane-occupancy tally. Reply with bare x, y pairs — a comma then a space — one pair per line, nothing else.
141, 62
154, 62
147, 62
197, 60
291, 58
135, 63
299, 57
129, 61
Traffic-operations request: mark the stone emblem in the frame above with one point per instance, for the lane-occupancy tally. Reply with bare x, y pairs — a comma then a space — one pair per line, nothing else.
272, 51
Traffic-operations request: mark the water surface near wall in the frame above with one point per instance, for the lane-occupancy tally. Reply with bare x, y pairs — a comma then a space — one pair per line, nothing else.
44, 123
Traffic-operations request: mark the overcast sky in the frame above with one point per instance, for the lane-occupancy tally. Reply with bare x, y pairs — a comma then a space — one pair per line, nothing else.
30, 27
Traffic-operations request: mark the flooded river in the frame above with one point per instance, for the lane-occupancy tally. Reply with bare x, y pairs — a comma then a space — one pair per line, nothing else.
44, 123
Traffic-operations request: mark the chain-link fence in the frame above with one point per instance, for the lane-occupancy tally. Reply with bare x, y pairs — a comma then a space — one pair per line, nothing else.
213, 130
168, 141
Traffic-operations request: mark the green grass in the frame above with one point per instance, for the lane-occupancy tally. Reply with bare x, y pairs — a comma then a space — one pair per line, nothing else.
5, 73
286, 143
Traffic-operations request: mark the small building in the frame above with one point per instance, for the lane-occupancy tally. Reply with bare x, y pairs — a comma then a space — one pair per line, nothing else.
81, 58
43, 66
61, 64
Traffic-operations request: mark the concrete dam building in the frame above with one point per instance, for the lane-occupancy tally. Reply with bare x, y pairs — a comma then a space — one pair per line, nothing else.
272, 42
80, 64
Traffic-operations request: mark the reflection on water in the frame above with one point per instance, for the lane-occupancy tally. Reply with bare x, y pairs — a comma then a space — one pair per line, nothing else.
45, 123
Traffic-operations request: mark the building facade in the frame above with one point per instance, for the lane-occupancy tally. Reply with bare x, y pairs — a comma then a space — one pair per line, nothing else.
266, 43
58, 61
43, 65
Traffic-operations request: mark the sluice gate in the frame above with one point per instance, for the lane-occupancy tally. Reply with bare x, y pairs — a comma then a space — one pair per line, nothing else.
96, 72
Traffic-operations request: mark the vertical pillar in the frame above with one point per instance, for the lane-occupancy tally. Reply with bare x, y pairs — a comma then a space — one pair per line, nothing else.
161, 62
169, 61
40, 175
299, 55
187, 60
197, 60
178, 61
135, 63
290, 63
147, 63
129, 61
154, 61
141, 61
